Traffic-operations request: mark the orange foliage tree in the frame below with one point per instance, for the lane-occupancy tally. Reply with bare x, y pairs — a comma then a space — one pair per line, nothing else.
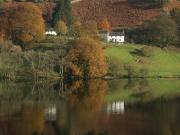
105, 25
26, 23
87, 58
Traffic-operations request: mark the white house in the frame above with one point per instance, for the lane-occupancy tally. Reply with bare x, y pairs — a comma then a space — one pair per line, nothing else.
51, 32
115, 37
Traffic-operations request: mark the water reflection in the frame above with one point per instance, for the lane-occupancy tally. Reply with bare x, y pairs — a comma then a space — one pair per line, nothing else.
96, 107
50, 112
116, 107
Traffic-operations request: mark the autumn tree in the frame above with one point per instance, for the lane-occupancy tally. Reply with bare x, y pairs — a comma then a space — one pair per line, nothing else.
62, 12
61, 27
87, 58
105, 25
26, 24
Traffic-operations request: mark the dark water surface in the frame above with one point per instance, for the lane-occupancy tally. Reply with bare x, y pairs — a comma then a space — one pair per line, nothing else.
120, 107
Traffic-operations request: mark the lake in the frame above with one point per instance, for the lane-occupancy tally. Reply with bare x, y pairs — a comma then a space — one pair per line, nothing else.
94, 107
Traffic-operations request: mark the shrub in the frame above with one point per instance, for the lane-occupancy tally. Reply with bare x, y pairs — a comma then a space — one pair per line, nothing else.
8, 46
77, 29
114, 66
147, 51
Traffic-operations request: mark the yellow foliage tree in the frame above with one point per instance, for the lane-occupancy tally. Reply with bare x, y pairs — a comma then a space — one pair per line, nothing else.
61, 27
77, 28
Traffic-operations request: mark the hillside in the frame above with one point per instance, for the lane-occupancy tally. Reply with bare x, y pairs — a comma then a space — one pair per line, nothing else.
117, 12
173, 4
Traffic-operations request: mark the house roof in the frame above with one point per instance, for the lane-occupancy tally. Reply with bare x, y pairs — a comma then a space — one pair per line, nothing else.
116, 34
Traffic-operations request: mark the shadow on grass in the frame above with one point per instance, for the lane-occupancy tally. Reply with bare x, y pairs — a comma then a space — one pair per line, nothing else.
137, 52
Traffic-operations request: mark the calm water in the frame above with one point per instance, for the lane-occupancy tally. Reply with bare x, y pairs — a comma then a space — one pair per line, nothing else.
96, 107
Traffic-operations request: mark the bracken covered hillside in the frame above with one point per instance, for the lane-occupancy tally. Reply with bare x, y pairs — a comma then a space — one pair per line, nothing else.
118, 12
173, 4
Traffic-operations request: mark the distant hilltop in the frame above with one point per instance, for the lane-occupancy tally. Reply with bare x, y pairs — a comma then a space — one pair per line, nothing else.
120, 13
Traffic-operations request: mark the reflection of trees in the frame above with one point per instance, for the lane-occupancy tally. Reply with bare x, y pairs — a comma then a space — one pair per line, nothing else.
85, 99
90, 96
12, 91
137, 85
61, 125
166, 116
29, 120
86, 104
75, 85
33, 120
141, 89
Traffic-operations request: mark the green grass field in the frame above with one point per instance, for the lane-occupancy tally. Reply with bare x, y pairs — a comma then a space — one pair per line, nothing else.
161, 63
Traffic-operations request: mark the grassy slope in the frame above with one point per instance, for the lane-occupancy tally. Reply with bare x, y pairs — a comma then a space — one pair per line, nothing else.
164, 63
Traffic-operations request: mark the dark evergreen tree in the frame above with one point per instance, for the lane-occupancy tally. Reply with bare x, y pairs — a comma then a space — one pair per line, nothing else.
58, 12
68, 12
62, 12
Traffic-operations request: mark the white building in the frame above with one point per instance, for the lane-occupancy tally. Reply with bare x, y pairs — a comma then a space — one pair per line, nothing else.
51, 32
114, 37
